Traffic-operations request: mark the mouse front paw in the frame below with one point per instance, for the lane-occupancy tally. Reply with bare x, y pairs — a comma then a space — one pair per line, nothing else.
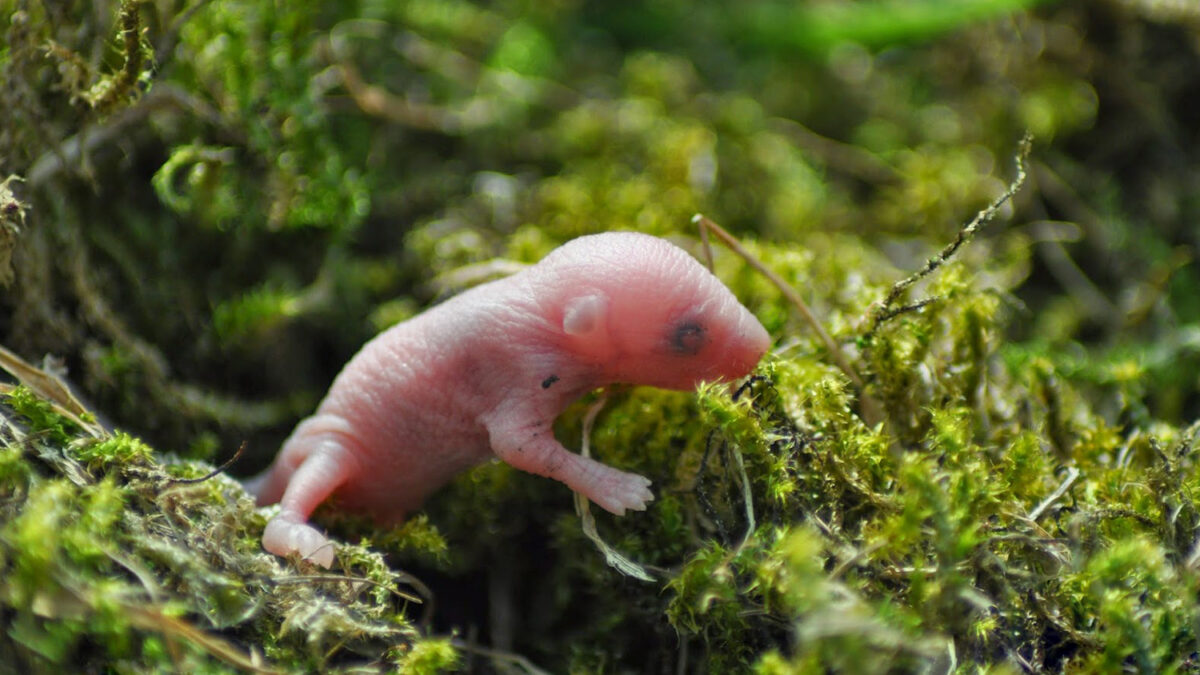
619, 491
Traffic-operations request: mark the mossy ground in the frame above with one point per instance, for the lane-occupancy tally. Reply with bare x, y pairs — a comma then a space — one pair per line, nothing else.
214, 203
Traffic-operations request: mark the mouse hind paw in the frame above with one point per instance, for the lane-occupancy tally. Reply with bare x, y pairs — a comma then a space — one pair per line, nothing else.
284, 536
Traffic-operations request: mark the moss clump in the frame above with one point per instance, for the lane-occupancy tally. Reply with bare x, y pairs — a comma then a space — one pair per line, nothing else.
111, 561
429, 656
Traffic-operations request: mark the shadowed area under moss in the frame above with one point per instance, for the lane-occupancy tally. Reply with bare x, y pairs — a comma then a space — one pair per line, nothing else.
215, 203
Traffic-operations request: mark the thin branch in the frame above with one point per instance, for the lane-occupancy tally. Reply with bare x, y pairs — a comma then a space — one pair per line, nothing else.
357, 580
883, 311
152, 618
872, 413
499, 656
844, 157
747, 498
613, 557
911, 307
212, 474
704, 223
76, 148
1072, 475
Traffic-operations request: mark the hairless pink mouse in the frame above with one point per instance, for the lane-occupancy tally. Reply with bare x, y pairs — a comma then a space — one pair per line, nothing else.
486, 373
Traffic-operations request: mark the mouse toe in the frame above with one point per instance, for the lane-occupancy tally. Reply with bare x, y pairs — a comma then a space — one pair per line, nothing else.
284, 536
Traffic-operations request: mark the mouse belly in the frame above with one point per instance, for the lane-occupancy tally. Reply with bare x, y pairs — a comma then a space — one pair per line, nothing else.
395, 483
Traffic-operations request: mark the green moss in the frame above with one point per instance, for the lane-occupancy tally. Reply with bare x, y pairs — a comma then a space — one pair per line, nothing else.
105, 556
119, 449
40, 415
429, 657
416, 538
255, 312
705, 600
791, 578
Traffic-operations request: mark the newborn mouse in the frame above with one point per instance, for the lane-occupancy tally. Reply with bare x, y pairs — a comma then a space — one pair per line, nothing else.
485, 373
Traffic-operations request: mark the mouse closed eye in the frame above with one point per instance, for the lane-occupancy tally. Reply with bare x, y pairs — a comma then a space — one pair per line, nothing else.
687, 337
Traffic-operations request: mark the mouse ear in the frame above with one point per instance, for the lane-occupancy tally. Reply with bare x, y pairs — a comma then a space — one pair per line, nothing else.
585, 315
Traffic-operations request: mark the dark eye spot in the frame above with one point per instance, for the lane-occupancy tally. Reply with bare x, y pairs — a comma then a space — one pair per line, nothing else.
688, 338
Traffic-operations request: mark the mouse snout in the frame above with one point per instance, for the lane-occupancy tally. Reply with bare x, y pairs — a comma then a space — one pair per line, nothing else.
748, 341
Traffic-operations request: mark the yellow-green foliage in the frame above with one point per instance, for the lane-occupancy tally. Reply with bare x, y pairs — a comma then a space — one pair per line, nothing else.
110, 561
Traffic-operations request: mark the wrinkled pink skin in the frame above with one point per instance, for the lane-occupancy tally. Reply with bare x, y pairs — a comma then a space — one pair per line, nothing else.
485, 374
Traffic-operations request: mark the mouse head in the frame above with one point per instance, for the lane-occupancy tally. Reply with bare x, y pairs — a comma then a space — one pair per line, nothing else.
645, 312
